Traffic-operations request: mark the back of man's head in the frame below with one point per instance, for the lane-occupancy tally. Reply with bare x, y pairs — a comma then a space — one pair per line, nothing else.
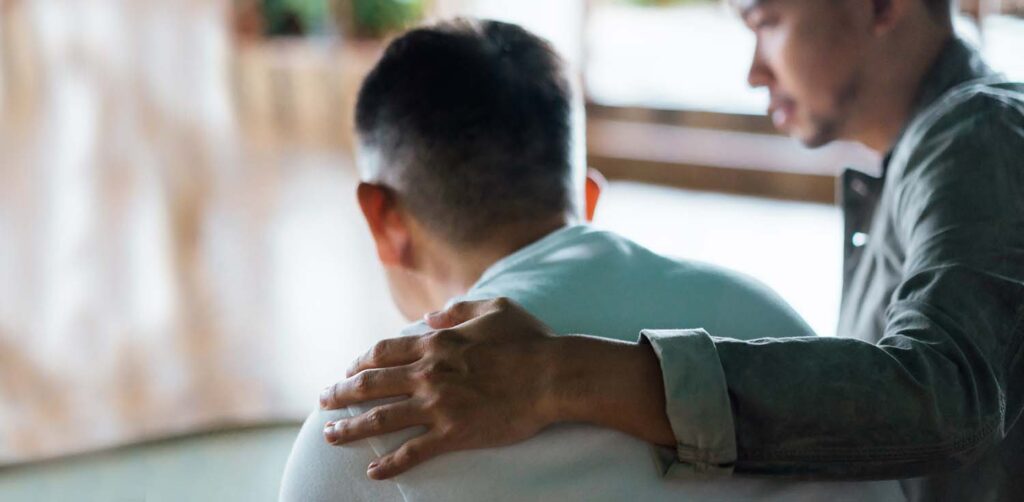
471, 123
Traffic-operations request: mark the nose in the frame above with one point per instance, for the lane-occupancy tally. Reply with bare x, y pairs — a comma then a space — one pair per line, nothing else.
759, 74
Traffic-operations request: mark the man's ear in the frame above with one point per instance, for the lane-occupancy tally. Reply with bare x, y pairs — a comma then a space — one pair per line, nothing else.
389, 229
886, 13
595, 185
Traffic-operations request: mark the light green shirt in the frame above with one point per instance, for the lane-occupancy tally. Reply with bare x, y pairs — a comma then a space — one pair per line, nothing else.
577, 279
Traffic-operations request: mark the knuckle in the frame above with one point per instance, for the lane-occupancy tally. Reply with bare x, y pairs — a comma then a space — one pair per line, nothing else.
343, 429
377, 419
428, 376
432, 340
444, 399
442, 367
435, 371
363, 382
430, 402
421, 376
439, 402
441, 339
379, 351
447, 431
411, 454
460, 307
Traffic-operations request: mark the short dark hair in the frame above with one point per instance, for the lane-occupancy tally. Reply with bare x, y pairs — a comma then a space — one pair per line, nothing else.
473, 120
943, 9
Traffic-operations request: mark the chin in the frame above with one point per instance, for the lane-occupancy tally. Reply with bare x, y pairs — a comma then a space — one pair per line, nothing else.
406, 294
411, 304
814, 141
409, 312
814, 137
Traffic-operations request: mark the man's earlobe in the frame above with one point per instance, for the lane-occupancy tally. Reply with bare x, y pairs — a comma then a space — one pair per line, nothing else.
595, 186
885, 13
380, 209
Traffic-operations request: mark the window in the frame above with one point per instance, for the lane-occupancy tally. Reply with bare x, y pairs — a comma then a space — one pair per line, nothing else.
1001, 26
686, 55
669, 100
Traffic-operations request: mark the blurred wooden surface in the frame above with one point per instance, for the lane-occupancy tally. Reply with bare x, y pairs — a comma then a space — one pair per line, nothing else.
297, 94
179, 244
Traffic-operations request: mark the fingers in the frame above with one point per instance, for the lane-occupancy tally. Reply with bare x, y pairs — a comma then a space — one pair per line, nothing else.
367, 385
386, 353
380, 420
462, 312
414, 452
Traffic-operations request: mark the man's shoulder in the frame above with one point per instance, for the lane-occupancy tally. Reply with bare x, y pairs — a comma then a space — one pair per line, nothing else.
960, 159
676, 270
978, 125
586, 263
589, 250
603, 257
970, 108
595, 254
982, 92
605, 284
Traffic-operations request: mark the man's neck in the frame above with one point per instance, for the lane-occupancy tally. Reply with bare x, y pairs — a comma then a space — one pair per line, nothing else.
895, 87
457, 269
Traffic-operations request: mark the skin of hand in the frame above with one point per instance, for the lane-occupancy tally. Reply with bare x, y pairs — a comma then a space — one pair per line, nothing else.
490, 374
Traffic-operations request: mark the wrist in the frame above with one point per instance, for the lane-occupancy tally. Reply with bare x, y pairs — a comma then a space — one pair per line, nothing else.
579, 377
554, 366
605, 382
573, 378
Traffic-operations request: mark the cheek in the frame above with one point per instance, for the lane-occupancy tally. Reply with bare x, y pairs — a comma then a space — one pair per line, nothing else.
813, 68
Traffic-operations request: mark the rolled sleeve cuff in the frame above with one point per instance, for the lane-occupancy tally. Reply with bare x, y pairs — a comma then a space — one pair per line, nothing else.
697, 402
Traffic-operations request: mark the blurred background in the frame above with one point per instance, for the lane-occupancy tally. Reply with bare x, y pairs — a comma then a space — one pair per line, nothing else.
180, 249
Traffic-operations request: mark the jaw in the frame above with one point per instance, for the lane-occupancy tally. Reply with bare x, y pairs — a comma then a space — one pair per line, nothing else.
819, 135
816, 129
410, 293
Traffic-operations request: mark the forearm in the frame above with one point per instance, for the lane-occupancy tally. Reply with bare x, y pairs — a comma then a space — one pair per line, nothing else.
802, 406
608, 383
840, 408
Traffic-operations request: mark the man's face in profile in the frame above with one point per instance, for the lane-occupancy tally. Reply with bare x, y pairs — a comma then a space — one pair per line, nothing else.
810, 56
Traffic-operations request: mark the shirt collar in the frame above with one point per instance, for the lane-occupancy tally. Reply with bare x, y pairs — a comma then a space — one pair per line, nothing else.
537, 248
958, 62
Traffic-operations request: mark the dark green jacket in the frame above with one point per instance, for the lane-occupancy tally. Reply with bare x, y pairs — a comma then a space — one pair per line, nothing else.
926, 380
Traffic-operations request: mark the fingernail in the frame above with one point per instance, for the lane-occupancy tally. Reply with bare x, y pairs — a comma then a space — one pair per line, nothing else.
427, 317
373, 470
325, 396
329, 433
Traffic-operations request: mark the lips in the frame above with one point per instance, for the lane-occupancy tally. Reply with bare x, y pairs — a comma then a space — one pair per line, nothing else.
781, 111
